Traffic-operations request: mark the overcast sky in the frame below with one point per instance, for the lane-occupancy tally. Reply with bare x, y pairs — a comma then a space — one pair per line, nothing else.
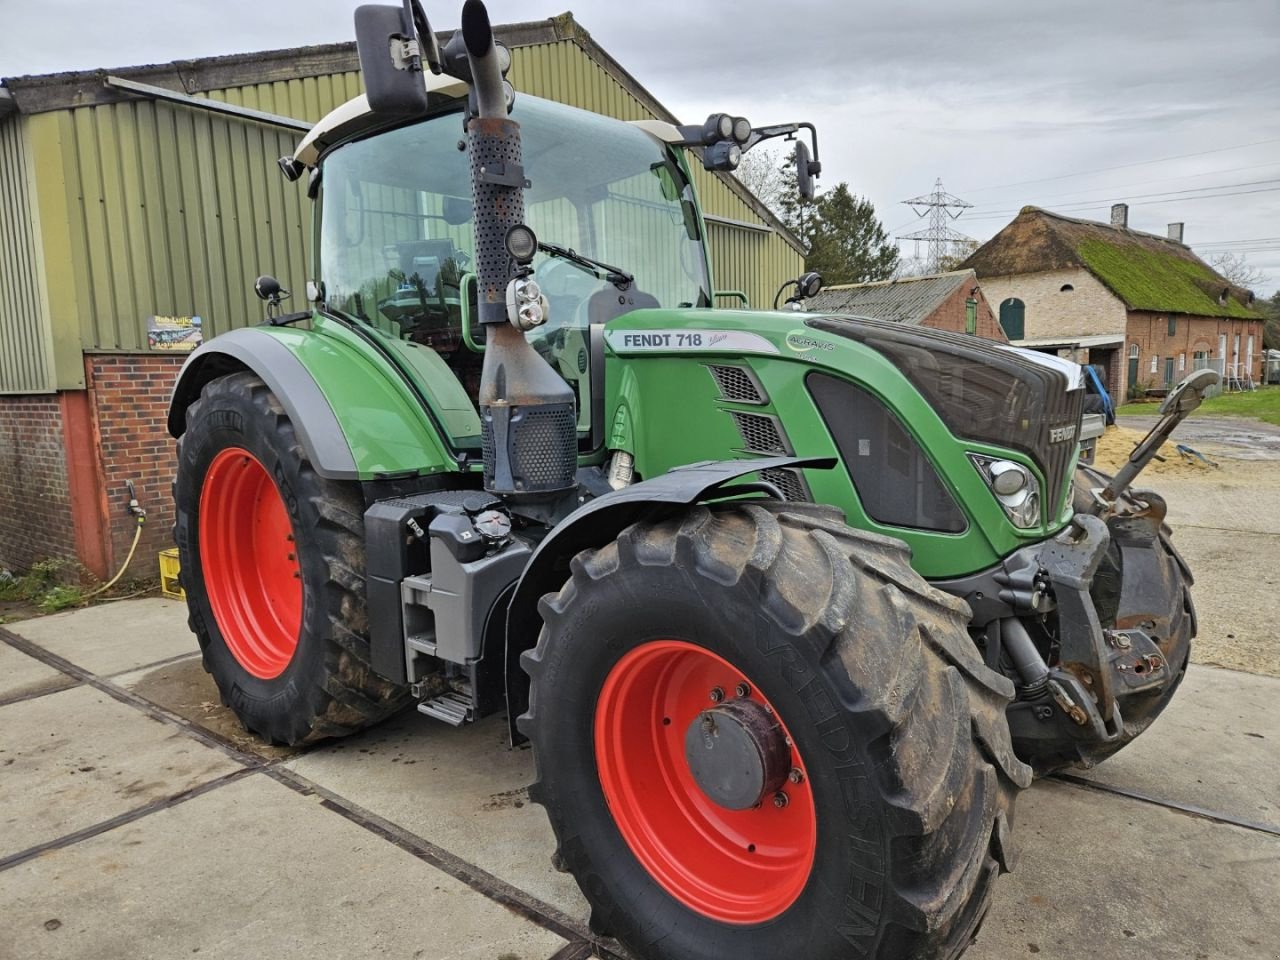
1169, 104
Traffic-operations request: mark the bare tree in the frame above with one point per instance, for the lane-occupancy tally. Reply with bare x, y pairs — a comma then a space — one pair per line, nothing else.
762, 174
1235, 268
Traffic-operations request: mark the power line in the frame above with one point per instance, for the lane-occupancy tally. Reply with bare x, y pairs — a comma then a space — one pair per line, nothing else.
1124, 166
1223, 243
1126, 186
1102, 204
1173, 193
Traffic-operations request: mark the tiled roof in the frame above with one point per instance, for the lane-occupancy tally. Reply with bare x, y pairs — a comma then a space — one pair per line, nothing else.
906, 300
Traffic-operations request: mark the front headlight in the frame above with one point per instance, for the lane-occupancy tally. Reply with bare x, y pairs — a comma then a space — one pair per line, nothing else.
1014, 487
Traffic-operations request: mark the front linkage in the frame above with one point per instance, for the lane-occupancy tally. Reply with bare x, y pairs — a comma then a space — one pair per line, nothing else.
1096, 622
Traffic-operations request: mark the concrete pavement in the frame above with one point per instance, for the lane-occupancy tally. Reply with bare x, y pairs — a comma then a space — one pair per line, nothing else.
136, 821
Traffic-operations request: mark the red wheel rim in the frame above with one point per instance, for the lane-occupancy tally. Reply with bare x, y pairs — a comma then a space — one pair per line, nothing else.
250, 565
736, 866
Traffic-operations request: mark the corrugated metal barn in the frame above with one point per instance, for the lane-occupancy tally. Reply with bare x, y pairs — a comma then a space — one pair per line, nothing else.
153, 192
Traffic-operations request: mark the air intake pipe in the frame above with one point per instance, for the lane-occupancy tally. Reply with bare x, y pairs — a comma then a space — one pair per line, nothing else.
527, 410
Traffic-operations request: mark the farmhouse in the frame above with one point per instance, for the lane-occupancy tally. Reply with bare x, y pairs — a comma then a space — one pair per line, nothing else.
1142, 308
137, 205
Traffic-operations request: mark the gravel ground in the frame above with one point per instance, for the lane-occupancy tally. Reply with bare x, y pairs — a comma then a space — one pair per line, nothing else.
1226, 523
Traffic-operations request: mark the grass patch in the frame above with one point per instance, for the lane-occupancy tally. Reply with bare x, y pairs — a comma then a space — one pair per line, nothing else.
1262, 404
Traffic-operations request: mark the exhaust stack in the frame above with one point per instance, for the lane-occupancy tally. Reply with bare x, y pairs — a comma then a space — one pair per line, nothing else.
527, 410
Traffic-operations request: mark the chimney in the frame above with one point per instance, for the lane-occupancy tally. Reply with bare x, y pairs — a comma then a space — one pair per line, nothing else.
1120, 215
1175, 231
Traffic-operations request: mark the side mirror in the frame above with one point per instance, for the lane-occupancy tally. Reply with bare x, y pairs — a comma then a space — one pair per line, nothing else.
808, 285
804, 172
390, 60
268, 288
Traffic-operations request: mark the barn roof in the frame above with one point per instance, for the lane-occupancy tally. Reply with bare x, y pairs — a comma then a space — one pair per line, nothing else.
906, 300
1145, 271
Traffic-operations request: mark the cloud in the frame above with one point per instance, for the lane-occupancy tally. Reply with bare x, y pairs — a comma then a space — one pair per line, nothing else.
983, 93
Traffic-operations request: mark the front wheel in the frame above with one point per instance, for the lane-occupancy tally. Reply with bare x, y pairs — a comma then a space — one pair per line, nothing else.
272, 558
760, 734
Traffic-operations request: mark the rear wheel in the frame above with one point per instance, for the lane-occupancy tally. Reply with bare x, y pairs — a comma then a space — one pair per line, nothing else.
272, 559
759, 733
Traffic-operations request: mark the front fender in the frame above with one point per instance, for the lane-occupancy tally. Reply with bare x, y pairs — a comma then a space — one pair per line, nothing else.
597, 523
353, 414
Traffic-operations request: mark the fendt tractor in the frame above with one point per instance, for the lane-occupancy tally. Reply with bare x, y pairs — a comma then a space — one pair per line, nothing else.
791, 606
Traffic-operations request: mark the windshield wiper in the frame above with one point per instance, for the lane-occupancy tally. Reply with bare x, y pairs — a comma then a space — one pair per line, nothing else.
615, 275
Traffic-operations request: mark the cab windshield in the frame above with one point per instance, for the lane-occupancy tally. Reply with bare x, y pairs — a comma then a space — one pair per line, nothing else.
397, 238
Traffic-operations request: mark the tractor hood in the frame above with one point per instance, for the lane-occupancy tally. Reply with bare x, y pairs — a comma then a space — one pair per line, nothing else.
689, 384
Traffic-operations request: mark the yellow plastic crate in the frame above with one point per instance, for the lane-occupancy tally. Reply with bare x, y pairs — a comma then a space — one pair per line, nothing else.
170, 568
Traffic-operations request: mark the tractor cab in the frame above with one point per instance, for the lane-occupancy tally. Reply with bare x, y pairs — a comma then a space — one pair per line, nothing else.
611, 202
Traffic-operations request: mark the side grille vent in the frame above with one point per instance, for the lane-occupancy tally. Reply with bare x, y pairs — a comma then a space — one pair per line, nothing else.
738, 385
790, 482
761, 433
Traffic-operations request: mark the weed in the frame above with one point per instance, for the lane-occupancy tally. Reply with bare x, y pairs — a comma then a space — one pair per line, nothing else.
61, 597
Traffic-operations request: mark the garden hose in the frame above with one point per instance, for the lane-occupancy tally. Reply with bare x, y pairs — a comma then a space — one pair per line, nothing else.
137, 535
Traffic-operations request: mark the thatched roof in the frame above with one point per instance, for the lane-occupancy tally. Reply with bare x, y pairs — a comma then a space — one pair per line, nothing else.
1147, 272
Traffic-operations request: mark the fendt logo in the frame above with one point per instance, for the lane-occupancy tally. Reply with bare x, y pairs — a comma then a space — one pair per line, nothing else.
1062, 434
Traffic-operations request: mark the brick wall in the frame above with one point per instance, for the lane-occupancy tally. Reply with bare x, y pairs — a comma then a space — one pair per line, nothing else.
1150, 333
131, 400
952, 314
35, 505
1088, 309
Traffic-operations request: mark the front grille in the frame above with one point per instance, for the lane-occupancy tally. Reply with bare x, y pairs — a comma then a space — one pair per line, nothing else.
1063, 409
737, 385
761, 433
791, 483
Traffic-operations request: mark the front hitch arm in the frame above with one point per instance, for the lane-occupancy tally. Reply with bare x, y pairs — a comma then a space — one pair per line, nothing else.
1177, 406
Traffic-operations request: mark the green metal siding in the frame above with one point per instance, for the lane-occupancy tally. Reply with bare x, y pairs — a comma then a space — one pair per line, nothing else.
172, 210
26, 348
158, 208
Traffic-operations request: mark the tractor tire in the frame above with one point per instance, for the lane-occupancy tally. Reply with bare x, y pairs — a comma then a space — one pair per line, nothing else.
273, 560
883, 813
1178, 628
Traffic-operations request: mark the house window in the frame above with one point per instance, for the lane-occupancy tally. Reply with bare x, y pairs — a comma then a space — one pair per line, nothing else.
1182, 362
1173, 325
1066, 288
1155, 363
1013, 318
1133, 351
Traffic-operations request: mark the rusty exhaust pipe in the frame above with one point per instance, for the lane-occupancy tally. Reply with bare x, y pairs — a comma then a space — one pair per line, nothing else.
527, 411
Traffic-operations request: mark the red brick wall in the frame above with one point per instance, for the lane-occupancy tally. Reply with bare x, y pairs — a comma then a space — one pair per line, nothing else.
131, 400
1150, 331
951, 315
35, 505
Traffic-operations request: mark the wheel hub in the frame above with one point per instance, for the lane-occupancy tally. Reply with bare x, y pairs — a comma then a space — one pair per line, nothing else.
737, 753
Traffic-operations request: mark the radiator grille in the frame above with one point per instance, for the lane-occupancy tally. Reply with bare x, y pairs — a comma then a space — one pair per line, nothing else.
790, 482
761, 433
737, 385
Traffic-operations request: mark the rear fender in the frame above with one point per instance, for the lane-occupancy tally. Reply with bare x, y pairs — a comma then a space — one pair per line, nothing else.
306, 371
599, 522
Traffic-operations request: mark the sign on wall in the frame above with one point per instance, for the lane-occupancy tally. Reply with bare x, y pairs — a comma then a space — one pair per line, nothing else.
174, 334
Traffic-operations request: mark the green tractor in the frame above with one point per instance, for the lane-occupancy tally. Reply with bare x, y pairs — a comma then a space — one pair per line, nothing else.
791, 606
